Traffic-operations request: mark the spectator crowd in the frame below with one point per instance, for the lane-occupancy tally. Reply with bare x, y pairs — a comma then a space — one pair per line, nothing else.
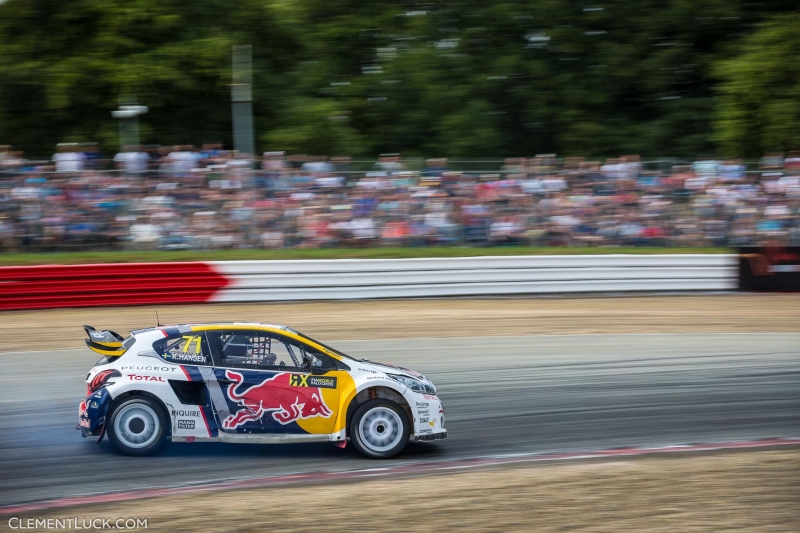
185, 198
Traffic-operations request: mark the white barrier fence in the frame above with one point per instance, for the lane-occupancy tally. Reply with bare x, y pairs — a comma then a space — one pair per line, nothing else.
345, 279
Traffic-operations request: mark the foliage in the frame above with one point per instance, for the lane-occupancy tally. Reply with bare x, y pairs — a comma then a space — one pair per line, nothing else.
450, 78
758, 107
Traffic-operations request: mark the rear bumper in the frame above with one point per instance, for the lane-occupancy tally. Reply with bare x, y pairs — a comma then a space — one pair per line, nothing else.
431, 436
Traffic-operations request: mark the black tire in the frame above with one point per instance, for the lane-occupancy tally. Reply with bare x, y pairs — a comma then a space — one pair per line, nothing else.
137, 418
379, 429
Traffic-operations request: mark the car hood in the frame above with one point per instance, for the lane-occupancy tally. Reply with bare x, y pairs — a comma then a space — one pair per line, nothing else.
388, 368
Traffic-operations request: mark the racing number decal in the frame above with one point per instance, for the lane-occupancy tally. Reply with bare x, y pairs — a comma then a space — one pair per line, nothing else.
189, 340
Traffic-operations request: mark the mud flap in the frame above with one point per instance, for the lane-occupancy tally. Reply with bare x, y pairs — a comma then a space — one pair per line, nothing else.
340, 444
102, 434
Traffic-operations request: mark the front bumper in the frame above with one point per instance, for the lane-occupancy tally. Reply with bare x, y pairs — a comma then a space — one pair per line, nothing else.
431, 436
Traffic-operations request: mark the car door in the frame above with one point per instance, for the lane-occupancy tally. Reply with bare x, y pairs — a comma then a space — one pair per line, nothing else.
192, 415
263, 385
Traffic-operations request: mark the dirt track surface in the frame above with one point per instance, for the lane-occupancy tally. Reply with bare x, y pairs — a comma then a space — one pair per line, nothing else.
733, 491
725, 313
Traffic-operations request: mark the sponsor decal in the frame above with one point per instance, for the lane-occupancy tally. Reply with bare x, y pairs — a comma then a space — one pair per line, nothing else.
367, 370
82, 409
304, 380
139, 377
432, 423
426, 431
423, 420
327, 351
186, 357
185, 413
298, 380
185, 424
322, 382
152, 368
422, 404
279, 395
429, 397
84, 423
423, 412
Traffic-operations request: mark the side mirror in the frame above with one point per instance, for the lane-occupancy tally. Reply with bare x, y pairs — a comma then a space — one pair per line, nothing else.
318, 371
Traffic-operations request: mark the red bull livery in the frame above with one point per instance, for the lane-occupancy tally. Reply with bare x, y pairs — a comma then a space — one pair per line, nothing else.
253, 383
274, 395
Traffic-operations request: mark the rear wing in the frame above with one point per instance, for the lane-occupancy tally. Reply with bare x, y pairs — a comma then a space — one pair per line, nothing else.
106, 342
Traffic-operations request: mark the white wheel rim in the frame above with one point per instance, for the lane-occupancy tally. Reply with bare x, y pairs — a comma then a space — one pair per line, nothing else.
137, 425
380, 429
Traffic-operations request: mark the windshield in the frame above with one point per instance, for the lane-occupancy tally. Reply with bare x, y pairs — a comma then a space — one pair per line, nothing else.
334, 350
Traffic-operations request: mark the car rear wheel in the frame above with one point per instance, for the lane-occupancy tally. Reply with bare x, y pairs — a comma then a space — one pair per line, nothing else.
379, 429
137, 426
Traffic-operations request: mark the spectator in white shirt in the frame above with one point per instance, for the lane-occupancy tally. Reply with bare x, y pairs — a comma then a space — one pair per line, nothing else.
68, 158
132, 159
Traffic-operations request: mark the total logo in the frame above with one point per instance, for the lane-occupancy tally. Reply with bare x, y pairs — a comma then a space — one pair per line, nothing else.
139, 377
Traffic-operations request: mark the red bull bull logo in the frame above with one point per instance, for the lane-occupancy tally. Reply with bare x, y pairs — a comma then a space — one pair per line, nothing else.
279, 395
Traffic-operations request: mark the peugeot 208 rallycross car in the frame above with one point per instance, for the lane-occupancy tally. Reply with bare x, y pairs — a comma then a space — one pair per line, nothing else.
249, 382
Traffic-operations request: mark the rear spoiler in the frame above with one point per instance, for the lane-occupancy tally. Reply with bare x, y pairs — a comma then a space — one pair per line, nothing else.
104, 342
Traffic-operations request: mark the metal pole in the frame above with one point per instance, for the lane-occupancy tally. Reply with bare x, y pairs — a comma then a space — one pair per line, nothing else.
242, 99
128, 116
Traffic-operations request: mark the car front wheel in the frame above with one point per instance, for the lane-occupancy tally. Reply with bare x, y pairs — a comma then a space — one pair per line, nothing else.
137, 426
379, 429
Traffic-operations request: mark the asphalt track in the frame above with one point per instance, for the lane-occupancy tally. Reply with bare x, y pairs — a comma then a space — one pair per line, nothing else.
502, 395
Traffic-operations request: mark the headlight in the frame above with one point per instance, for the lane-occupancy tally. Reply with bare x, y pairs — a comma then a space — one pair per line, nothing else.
414, 384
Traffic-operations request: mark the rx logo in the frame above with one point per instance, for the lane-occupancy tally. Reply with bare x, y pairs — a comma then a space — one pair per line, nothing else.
298, 380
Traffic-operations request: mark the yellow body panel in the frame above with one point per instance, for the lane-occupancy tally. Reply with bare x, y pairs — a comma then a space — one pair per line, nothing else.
347, 392
116, 344
110, 353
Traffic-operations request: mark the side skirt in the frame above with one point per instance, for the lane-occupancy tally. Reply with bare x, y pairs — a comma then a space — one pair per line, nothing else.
254, 438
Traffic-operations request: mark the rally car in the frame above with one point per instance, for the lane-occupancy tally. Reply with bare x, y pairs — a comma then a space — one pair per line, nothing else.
253, 383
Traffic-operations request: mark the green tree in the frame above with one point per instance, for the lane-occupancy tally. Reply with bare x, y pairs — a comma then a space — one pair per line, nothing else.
64, 64
758, 103
447, 78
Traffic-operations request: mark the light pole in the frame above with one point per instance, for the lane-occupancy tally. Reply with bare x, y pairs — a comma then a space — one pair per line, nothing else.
242, 100
128, 116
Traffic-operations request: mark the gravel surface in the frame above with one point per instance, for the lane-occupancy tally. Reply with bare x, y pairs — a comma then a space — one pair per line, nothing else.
753, 491
387, 319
